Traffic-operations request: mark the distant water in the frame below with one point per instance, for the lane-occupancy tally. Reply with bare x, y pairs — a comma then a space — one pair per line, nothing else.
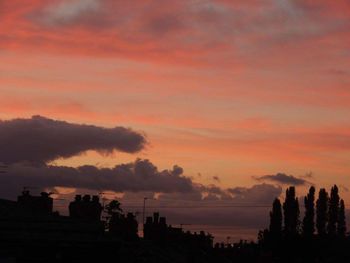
224, 234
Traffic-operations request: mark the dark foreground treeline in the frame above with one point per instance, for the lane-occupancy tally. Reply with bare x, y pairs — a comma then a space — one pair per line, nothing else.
320, 236
30, 231
328, 209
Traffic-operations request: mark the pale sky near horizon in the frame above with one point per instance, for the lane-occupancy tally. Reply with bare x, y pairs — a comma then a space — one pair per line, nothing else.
226, 89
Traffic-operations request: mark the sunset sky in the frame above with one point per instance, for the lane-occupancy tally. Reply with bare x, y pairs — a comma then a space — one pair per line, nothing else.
235, 92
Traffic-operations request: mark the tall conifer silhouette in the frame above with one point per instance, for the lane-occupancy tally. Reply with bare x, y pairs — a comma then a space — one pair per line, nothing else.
276, 219
322, 212
291, 212
308, 221
333, 211
341, 227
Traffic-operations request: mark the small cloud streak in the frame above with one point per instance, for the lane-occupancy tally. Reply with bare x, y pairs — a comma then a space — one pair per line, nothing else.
257, 194
67, 11
282, 179
216, 178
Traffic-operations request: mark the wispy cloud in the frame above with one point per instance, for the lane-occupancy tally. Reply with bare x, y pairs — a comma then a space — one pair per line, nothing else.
282, 179
216, 30
64, 12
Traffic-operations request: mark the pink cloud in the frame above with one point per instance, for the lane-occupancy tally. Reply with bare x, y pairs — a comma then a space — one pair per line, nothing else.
244, 81
198, 33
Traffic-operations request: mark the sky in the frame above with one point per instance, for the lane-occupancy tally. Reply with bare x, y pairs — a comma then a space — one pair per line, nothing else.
227, 100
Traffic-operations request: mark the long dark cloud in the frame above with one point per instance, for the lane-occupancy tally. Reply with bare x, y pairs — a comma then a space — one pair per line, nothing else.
282, 179
40, 140
247, 208
140, 175
257, 194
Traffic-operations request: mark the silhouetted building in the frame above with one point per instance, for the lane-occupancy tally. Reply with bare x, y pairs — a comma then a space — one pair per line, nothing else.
35, 205
7, 207
29, 229
124, 227
86, 208
157, 230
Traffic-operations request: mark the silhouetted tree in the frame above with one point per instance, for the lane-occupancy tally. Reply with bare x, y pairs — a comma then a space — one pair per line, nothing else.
262, 236
119, 224
341, 227
308, 221
333, 211
276, 219
291, 212
113, 208
321, 212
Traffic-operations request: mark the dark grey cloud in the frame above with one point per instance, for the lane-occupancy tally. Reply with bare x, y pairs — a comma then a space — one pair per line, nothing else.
247, 209
67, 12
206, 205
257, 194
225, 215
140, 175
338, 72
282, 179
157, 27
40, 140
169, 19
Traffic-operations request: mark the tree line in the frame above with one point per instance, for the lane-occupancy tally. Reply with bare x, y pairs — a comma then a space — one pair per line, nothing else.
324, 217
